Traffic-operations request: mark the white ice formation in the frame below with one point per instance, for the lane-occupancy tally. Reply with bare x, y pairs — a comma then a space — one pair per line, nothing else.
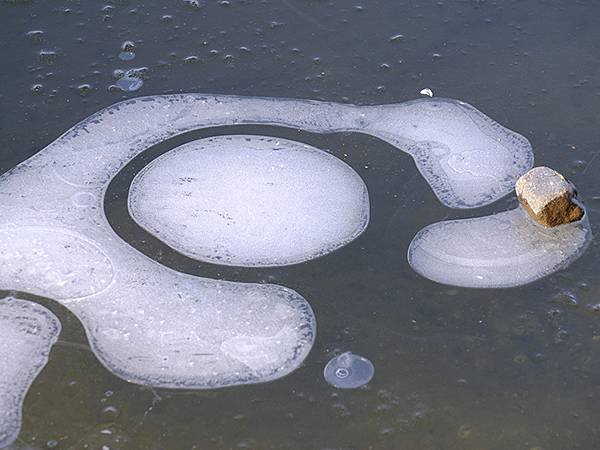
468, 159
27, 333
250, 201
502, 250
155, 326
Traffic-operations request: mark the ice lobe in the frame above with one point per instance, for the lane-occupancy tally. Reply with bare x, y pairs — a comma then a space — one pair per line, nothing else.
502, 250
27, 333
53, 262
250, 201
146, 323
167, 329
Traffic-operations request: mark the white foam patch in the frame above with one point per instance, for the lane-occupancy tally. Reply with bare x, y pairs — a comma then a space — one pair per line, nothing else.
250, 201
155, 326
27, 333
502, 250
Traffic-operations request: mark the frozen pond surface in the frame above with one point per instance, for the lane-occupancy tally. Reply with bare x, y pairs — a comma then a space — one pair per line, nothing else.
456, 368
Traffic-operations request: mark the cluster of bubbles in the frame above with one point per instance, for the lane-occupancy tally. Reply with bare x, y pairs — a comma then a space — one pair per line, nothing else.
127, 51
129, 80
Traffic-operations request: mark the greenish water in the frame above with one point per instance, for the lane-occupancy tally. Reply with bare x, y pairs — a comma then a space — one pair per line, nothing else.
455, 368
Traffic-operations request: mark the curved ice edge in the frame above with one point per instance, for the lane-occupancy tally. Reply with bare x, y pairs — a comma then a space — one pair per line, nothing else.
537, 251
24, 350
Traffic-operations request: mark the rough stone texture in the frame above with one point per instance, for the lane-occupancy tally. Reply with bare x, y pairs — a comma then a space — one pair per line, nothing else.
548, 197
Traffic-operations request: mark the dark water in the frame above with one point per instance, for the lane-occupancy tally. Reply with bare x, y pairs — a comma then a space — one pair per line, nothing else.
455, 368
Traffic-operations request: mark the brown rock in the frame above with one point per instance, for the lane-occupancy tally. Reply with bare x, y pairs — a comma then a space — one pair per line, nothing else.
548, 197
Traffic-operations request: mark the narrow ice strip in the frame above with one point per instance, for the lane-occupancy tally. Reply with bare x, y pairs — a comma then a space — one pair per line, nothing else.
250, 201
27, 333
502, 250
468, 159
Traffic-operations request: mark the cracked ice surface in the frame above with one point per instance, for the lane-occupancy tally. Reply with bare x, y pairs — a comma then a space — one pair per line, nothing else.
27, 333
290, 202
502, 250
154, 326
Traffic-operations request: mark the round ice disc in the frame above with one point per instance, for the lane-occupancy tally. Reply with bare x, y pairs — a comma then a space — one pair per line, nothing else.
348, 371
250, 201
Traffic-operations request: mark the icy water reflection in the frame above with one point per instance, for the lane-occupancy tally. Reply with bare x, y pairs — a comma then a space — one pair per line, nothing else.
456, 368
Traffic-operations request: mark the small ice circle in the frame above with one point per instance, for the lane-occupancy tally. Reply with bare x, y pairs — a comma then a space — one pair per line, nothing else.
83, 199
348, 371
129, 84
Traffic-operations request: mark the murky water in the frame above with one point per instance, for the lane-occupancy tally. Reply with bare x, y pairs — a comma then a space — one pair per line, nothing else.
455, 368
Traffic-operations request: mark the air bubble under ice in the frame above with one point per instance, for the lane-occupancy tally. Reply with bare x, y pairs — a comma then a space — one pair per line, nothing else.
468, 159
155, 326
27, 333
129, 83
250, 201
502, 250
348, 371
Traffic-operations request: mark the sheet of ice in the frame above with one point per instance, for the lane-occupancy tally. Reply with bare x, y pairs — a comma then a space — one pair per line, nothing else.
155, 326
502, 250
250, 201
27, 333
